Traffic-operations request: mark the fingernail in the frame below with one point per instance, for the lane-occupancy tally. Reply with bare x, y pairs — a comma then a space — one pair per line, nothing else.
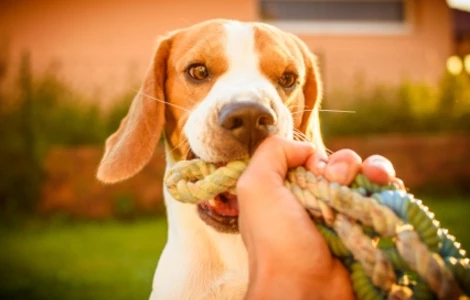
383, 164
338, 172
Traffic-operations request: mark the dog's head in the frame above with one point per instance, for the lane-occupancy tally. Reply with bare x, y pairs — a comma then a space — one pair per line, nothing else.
216, 90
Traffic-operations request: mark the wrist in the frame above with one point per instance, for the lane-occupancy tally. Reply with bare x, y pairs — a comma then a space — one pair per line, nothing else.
282, 279
277, 282
338, 285
276, 285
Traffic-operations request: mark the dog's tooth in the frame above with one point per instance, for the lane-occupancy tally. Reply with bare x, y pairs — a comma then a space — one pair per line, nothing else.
212, 202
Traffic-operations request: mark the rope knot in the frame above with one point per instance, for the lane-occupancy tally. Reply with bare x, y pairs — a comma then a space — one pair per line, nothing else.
381, 234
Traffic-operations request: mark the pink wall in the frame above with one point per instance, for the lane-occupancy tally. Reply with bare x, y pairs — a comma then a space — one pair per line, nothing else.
419, 55
103, 47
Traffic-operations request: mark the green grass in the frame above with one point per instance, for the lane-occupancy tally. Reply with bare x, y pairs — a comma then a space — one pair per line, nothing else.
80, 260
453, 212
111, 260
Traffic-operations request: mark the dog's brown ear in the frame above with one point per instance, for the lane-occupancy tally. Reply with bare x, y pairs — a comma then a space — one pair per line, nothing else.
313, 92
130, 148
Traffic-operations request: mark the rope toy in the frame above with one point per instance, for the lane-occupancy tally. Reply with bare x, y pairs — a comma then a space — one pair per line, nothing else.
391, 243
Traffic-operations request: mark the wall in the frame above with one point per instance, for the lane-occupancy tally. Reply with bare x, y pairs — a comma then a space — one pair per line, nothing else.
418, 55
103, 47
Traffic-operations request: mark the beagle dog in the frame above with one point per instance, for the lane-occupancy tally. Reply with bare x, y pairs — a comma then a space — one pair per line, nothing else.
213, 91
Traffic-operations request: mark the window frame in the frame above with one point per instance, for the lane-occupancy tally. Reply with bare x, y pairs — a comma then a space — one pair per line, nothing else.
404, 27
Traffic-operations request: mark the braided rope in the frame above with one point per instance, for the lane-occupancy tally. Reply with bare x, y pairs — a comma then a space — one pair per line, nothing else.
384, 236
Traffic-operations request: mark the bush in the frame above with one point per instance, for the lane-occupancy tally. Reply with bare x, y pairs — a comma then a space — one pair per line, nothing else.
408, 108
41, 112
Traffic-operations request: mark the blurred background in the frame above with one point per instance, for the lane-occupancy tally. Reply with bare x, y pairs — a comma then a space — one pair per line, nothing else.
69, 69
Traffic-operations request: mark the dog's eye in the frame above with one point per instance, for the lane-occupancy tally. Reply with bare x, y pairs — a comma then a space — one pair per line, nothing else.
287, 80
198, 72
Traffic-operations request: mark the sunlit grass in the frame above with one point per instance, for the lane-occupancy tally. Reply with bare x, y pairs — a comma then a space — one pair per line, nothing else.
453, 213
80, 261
111, 260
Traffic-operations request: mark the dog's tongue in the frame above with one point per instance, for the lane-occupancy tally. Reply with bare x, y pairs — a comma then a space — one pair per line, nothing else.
225, 204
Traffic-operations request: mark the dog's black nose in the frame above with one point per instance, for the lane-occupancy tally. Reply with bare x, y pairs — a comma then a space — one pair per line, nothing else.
248, 122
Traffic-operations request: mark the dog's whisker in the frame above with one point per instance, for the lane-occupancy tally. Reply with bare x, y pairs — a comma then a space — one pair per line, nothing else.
185, 140
297, 132
300, 136
296, 137
301, 111
290, 106
338, 111
190, 92
187, 152
325, 110
153, 98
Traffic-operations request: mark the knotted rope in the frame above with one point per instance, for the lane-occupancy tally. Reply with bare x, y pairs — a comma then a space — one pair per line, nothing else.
389, 241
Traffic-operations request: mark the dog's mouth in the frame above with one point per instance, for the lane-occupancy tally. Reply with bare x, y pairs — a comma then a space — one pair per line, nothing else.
221, 213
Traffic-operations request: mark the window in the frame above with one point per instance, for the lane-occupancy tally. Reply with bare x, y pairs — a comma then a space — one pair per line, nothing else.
337, 16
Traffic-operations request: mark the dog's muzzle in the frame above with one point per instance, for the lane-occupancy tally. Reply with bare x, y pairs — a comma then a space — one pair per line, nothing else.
248, 122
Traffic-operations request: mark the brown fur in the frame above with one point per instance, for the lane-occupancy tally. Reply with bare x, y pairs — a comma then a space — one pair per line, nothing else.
130, 148
274, 62
202, 44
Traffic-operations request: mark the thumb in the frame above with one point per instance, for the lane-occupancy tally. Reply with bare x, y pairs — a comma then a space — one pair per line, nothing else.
277, 154
268, 167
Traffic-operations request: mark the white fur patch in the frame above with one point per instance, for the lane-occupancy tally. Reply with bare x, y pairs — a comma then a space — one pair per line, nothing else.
241, 54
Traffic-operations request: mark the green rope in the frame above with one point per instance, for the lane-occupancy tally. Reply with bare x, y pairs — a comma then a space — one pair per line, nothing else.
389, 241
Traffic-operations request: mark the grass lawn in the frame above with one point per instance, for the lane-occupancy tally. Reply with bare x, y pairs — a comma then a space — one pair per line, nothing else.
107, 260
453, 213
111, 260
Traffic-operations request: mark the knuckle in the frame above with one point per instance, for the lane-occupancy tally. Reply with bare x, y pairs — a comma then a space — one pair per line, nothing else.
346, 155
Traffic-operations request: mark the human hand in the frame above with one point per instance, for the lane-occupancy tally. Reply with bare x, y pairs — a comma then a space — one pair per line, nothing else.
287, 255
